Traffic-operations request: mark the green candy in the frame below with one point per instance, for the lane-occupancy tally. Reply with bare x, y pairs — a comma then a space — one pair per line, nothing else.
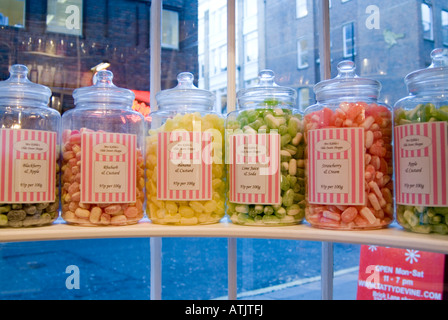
274, 119
419, 218
3, 220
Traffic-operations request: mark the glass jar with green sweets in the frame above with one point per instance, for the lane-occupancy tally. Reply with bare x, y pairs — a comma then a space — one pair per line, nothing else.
265, 156
29, 140
421, 149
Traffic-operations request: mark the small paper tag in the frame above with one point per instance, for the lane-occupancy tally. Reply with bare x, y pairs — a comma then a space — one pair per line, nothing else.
109, 167
184, 166
336, 166
27, 166
421, 164
254, 168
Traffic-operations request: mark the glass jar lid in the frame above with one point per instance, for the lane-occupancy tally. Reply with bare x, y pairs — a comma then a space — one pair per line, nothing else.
266, 92
347, 84
20, 91
103, 91
433, 78
185, 94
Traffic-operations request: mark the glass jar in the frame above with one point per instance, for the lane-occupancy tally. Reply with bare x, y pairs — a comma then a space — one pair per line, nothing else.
185, 170
349, 154
420, 149
102, 173
265, 156
29, 139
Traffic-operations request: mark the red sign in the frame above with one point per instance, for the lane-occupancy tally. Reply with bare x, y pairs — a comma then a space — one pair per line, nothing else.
400, 274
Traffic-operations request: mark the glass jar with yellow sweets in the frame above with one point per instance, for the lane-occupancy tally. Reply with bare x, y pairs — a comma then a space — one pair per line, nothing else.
185, 177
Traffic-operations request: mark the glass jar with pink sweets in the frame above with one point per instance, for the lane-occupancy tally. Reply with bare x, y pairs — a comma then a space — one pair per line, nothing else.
102, 172
349, 154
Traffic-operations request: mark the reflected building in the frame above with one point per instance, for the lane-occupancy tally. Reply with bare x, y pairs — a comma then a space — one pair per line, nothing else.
62, 42
386, 39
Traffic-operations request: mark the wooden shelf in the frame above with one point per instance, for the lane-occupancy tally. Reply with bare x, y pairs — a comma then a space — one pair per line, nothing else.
393, 236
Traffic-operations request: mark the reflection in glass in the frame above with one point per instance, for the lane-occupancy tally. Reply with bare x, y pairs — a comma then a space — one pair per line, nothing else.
12, 13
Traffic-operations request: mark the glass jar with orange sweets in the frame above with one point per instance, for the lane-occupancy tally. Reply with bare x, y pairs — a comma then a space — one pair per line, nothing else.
348, 154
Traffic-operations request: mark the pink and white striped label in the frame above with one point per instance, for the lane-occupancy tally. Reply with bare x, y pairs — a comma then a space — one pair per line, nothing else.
254, 164
421, 164
109, 164
27, 166
336, 166
184, 166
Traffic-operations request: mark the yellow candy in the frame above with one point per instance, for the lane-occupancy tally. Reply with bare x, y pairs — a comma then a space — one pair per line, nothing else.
210, 206
188, 212
161, 213
171, 207
188, 221
197, 206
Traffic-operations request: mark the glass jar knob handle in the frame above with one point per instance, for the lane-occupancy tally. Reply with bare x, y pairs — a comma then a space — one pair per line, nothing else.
266, 78
185, 80
439, 58
346, 69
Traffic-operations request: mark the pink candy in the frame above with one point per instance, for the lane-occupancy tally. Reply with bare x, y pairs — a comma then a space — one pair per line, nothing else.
377, 211
74, 211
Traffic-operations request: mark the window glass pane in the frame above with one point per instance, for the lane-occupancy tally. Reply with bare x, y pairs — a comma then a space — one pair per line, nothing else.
385, 44
75, 270
114, 34
444, 16
250, 8
194, 268
170, 29
12, 13
301, 8
427, 22
348, 39
302, 53
212, 50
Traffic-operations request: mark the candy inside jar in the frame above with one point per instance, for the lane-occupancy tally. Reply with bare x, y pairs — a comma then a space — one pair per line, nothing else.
102, 172
185, 157
349, 155
29, 131
420, 146
266, 168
